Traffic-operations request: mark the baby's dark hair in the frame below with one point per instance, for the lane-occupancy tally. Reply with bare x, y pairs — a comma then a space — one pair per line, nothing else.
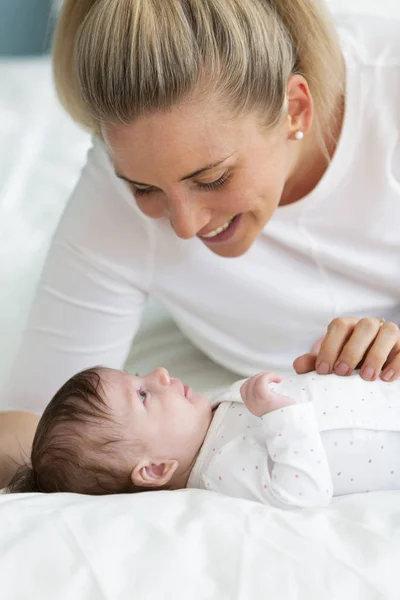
58, 462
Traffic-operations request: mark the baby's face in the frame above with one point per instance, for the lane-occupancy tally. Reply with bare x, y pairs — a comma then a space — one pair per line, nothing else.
168, 419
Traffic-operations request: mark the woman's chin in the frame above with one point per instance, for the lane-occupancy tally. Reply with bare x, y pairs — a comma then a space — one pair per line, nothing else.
231, 249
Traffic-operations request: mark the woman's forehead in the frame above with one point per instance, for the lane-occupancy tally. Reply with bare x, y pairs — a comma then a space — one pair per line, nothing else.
171, 149
196, 127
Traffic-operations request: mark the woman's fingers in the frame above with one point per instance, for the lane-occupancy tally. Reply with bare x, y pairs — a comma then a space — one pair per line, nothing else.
356, 350
391, 369
371, 345
376, 357
316, 348
305, 363
339, 332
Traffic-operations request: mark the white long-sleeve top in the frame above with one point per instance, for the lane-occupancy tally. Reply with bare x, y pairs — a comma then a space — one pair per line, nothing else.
334, 253
342, 436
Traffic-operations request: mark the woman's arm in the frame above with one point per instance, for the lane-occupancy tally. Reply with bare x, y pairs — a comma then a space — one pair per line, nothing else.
16, 434
92, 291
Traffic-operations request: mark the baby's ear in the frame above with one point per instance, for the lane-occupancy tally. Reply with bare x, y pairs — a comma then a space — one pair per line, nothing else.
153, 474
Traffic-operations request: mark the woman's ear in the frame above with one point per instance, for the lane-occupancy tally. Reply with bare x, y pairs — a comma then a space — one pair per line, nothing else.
153, 474
300, 105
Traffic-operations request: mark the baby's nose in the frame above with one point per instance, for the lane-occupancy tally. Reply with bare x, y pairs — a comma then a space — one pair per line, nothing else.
163, 376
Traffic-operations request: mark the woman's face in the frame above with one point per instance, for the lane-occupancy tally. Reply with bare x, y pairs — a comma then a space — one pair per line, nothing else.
204, 170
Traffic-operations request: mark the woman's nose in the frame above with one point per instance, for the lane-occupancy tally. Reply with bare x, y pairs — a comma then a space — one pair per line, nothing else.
187, 218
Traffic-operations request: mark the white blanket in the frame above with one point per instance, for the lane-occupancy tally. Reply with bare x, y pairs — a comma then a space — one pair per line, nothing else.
188, 545
194, 545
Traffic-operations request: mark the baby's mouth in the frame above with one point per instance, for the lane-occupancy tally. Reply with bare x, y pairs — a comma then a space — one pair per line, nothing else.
185, 389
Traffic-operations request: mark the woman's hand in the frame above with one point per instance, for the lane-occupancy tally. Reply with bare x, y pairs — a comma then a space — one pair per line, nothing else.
368, 344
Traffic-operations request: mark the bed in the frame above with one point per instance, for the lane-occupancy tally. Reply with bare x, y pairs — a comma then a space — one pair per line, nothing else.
174, 545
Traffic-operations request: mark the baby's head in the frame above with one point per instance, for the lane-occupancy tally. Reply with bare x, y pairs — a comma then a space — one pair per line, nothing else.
108, 432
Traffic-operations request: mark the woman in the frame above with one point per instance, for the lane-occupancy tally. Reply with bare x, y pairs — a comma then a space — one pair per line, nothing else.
243, 172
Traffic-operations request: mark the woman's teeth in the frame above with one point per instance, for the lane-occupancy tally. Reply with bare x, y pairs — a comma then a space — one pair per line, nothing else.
219, 230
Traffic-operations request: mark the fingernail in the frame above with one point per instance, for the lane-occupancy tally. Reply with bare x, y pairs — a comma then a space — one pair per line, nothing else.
368, 373
342, 369
388, 375
323, 368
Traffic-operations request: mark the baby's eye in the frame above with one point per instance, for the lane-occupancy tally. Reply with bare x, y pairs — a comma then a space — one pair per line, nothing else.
142, 395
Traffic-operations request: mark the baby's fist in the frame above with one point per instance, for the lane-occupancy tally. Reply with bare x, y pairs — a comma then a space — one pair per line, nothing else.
258, 396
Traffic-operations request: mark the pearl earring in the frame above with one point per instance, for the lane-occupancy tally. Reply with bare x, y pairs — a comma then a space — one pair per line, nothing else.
299, 135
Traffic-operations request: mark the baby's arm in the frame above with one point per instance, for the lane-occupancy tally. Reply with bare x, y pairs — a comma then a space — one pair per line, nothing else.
298, 474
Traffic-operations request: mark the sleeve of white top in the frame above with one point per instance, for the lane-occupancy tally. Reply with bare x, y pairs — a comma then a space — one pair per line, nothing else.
299, 474
92, 291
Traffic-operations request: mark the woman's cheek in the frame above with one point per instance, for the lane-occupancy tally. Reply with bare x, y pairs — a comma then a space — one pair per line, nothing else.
151, 207
239, 201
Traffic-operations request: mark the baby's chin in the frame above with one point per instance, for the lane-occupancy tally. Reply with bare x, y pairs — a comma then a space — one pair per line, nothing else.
199, 402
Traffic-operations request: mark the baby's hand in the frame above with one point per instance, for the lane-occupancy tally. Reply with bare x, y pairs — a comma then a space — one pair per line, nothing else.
259, 398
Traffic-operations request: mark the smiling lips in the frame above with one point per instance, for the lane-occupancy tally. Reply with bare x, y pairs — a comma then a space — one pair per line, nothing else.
216, 232
224, 233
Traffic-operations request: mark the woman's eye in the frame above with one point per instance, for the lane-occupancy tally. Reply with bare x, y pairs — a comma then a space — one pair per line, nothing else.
142, 192
215, 184
203, 186
142, 395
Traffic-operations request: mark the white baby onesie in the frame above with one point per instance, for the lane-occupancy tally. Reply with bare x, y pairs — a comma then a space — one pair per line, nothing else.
341, 437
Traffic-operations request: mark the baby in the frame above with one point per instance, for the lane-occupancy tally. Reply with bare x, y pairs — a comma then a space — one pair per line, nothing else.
293, 443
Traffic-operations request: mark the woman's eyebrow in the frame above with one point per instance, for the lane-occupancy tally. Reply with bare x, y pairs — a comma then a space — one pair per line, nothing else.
207, 168
194, 174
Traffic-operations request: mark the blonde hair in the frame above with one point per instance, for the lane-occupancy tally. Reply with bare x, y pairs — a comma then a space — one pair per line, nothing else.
115, 60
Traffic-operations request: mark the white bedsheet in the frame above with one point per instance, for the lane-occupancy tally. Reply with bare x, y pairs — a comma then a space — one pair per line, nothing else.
194, 545
188, 545
198, 546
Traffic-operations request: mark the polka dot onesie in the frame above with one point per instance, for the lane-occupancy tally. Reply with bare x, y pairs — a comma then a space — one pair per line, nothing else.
342, 436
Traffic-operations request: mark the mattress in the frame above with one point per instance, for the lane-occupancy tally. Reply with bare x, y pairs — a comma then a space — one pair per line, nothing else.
174, 545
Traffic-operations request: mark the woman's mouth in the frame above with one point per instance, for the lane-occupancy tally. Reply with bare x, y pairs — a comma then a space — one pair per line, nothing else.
223, 233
